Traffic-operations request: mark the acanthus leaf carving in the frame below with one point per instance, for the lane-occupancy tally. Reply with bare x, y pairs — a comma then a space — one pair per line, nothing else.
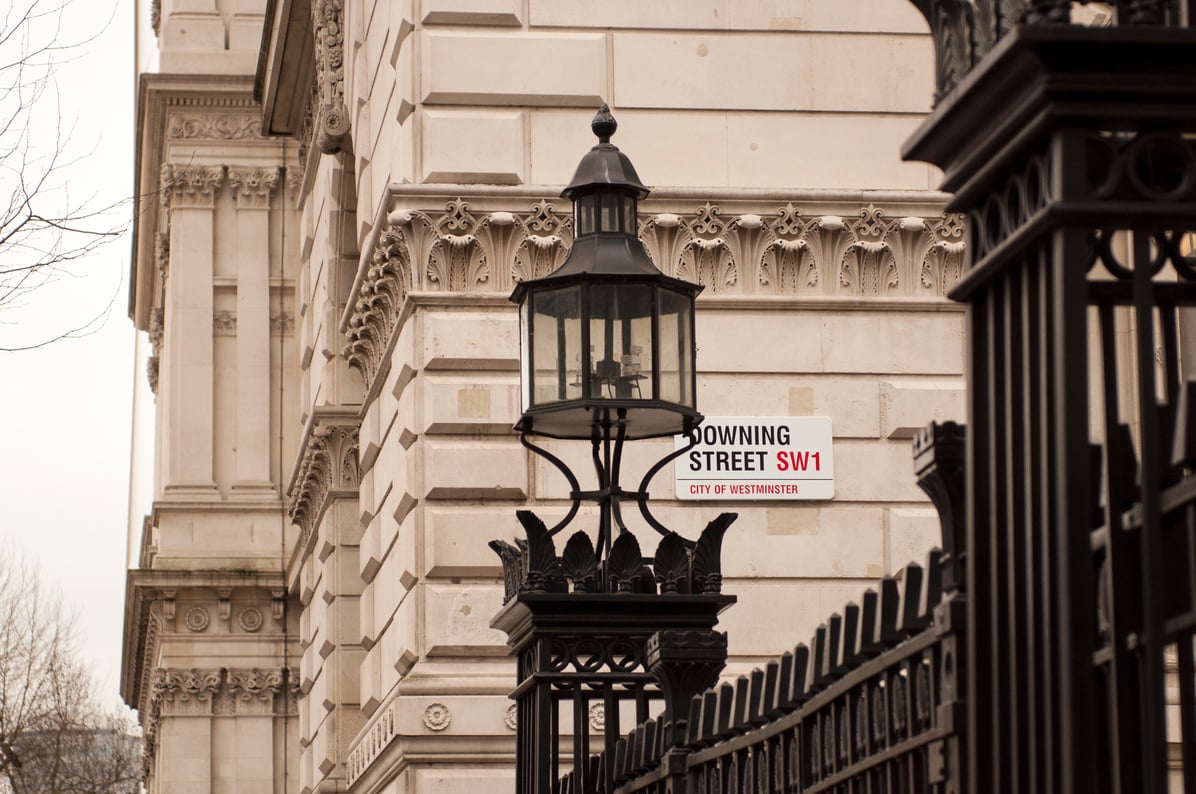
458, 261
329, 468
190, 185
252, 186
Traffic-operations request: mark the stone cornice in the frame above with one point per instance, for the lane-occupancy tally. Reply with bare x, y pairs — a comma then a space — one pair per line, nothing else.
746, 244
146, 594
326, 469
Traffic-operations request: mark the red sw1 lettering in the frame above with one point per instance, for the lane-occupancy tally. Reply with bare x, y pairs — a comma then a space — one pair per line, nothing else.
790, 460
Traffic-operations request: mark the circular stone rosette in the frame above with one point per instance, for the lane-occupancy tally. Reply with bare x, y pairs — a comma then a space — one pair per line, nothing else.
196, 618
437, 716
250, 619
511, 717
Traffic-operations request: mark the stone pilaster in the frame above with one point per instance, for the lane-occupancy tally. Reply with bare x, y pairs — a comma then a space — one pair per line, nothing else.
253, 187
188, 195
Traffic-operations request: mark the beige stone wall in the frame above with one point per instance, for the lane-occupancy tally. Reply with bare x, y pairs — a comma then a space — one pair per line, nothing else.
770, 130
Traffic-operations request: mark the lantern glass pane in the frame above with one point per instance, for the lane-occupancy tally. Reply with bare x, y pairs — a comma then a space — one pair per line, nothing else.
584, 209
676, 348
556, 345
525, 358
621, 342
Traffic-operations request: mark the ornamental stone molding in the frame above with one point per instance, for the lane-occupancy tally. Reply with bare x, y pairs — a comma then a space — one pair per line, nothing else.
224, 323
437, 717
754, 249
328, 468
152, 364
222, 692
190, 186
371, 744
252, 187
213, 126
330, 115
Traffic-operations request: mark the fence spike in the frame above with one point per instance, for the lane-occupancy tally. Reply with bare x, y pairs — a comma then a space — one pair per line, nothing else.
755, 712
768, 702
849, 655
834, 639
739, 720
799, 689
911, 597
709, 726
886, 624
815, 677
866, 640
621, 759
932, 587
647, 744
693, 728
784, 695
726, 702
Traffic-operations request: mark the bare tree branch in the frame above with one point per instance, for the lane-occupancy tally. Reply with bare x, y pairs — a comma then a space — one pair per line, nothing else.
53, 738
49, 230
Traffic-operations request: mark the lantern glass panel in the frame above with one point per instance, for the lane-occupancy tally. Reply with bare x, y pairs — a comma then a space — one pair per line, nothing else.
621, 342
525, 357
584, 208
556, 345
676, 348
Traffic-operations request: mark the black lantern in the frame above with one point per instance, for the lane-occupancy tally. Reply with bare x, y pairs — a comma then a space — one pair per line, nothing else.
607, 339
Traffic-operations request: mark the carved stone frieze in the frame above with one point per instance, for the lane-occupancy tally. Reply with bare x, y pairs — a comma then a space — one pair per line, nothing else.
207, 126
251, 186
450, 251
190, 185
328, 469
331, 116
774, 249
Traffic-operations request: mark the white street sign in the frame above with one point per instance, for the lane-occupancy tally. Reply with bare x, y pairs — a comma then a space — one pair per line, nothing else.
767, 457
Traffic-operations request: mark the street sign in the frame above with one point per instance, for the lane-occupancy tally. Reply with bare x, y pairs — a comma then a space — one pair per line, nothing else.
768, 457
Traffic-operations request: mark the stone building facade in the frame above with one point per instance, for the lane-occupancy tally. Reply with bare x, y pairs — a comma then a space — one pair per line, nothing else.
336, 199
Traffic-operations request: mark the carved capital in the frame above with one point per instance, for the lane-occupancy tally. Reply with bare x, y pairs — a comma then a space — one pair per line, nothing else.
253, 691
191, 185
327, 470
252, 187
185, 691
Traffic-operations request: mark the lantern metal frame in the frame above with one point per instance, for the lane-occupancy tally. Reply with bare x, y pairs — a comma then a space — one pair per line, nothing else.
607, 253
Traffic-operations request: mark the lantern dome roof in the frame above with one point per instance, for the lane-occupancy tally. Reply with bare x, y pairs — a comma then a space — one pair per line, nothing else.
604, 166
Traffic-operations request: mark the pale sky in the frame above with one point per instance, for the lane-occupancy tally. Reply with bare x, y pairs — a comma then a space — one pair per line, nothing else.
68, 407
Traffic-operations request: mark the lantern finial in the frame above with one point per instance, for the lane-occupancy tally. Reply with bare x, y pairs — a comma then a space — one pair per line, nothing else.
604, 124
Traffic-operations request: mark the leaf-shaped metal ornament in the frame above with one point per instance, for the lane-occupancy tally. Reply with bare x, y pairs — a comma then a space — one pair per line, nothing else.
707, 570
671, 564
624, 563
512, 567
580, 563
544, 574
